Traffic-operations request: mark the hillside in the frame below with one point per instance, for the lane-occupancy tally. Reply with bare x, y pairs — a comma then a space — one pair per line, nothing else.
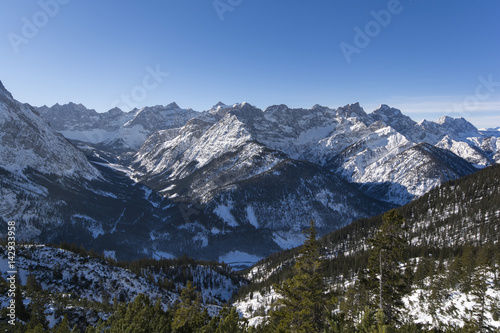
87, 287
455, 222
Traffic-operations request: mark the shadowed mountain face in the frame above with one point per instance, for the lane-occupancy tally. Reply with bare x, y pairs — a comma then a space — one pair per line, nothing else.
227, 183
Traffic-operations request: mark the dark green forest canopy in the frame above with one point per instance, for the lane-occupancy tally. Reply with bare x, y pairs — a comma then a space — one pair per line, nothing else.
455, 214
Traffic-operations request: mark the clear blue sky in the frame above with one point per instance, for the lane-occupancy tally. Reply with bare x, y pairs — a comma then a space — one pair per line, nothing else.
432, 58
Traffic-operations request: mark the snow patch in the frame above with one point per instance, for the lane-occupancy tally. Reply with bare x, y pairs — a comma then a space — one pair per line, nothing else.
110, 254
239, 259
288, 240
251, 217
224, 212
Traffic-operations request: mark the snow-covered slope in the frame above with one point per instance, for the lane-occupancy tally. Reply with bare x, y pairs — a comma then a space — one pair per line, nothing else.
413, 172
284, 199
75, 283
216, 179
454, 134
114, 128
27, 141
472, 149
454, 216
63, 271
362, 148
354, 141
204, 156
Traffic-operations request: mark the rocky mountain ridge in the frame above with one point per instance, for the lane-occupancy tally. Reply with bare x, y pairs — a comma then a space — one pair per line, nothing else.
213, 184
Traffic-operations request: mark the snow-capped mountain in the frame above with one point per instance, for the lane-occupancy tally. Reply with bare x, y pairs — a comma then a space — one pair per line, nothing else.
114, 129
362, 148
53, 193
413, 172
27, 141
213, 184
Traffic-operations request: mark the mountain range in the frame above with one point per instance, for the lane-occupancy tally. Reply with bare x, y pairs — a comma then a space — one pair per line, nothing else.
232, 183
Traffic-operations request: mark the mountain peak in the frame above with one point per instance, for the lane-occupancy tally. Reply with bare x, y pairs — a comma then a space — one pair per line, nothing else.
355, 107
246, 104
5, 91
459, 124
393, 117
384, 108
173, 105
490, 129
353, 110
243, 106
446, 119
318, 107
115, 111
387, 110
220, 109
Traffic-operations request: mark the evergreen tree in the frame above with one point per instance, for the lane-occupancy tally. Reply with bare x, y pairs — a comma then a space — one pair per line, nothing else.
35, 329
367, 324
454, 272
303, 306
468, 264
37, 317
21, 311
63, 326
138, 316
188, 315
479, 292
354, 303
32, 285
385, 275
228, 321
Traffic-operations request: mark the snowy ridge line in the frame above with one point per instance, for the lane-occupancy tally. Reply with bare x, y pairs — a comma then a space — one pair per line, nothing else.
62, 271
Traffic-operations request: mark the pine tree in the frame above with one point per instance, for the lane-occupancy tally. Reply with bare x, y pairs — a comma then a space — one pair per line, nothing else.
63, 326
138, 316
367, 324
385, 275
479, 292
21, 311
495, 264
468, 264
35, 329
37, 316
354, 304
228, 321
454, 272
188, 315
32, 285
303, 306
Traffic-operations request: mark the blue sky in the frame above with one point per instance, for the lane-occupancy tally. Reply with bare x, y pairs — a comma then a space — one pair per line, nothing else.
427, 57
